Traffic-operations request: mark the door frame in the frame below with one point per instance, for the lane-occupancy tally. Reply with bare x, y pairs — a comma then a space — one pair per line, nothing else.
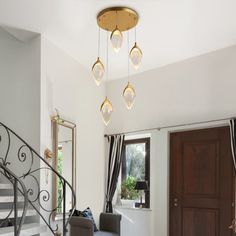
192, 128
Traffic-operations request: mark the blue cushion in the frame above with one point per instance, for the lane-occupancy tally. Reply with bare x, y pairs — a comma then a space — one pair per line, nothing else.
76, 213
87, 213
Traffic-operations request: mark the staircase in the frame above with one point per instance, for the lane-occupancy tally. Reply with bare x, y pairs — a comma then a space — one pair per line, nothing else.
27, 229
7, 214
23, 210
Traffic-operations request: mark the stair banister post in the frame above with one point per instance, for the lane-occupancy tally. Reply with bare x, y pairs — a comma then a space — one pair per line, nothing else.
15, 205
64, 208
25, 153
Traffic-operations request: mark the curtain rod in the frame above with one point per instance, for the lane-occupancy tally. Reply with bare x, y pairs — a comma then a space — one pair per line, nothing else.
171, 126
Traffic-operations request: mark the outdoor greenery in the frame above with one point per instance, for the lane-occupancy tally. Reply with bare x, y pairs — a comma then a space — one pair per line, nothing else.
127, 189
135, 161
59, 183
135, 170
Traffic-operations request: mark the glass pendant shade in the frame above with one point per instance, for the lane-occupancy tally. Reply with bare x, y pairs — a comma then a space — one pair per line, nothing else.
98, 71
136, 56
129, 96
116, 39
106, 111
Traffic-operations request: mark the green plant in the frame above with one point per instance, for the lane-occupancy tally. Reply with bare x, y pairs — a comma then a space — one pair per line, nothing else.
127, 189
59, 183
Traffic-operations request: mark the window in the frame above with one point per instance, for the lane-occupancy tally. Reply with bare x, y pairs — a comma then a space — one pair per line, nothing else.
136, 167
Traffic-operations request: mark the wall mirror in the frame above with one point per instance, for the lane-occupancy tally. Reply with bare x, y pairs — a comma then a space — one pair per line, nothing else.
64, 150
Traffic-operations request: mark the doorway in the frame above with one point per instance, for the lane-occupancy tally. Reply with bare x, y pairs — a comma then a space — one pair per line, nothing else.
201, 183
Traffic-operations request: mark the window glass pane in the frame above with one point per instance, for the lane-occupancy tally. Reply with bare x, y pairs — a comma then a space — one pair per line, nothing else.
135, 161
135, 167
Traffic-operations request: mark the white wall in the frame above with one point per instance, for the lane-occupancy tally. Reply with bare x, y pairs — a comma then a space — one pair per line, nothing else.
20, 97
20, 86
67, 86
37, 77
198, 89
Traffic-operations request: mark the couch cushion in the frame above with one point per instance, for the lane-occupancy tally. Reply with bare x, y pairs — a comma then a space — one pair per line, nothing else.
103, 233
87, 213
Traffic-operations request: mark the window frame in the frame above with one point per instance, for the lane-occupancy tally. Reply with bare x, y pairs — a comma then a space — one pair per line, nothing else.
147, 141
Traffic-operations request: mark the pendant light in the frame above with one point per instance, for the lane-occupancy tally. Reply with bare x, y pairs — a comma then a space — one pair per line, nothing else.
117, 20
106, 108
129, 92
129, 96
98, 67
116, 39
98, 71
136, 54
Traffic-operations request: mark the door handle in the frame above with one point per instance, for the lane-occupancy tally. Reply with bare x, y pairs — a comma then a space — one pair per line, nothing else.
176, 202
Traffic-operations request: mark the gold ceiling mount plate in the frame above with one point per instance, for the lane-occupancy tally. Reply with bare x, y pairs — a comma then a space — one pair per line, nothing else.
123, 18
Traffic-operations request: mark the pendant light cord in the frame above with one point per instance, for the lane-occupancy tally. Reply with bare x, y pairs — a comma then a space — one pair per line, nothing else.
135, 34
128, 53
107, 56
99, 41
117, 20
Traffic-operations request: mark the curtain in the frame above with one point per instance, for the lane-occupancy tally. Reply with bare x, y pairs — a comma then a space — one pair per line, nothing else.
113, 169
232, 125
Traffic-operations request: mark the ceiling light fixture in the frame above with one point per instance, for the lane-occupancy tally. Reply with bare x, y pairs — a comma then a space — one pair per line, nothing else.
106, 108
117, 20
136, 54
98, 67
116, 39
98, 71
129, 92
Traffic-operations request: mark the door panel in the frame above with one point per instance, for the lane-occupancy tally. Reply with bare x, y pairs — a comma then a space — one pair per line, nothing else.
201, 183
206, 218
201, 177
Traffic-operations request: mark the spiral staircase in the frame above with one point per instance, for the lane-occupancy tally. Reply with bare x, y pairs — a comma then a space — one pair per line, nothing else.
25, 207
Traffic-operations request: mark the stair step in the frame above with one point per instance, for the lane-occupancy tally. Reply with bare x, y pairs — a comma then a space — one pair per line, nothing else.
6, 186
7, 199
4, 213
27, 230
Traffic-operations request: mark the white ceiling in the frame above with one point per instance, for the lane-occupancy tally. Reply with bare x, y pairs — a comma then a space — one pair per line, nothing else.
168, 31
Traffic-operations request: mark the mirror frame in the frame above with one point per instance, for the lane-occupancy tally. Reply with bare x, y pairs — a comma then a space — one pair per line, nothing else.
57, 121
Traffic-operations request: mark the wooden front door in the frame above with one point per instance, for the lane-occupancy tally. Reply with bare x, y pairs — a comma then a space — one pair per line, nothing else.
201, 183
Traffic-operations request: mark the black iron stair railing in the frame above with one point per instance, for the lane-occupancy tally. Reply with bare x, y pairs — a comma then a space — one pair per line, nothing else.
15, 182
19, 157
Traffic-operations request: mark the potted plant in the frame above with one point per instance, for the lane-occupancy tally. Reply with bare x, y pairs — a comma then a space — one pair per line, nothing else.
128, 192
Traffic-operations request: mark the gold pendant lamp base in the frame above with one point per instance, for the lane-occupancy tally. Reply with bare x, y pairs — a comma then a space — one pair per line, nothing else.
123, 18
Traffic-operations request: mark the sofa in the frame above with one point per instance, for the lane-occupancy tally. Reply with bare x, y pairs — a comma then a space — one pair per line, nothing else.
109, 225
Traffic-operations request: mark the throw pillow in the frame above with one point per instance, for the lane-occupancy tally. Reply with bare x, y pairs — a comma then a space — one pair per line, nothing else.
87, 213
76, 213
